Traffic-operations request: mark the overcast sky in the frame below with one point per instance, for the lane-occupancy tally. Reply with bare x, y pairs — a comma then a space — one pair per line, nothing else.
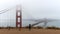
43, 8
36, 8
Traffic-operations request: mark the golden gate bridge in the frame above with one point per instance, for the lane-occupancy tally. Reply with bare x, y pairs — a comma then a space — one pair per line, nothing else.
19, 17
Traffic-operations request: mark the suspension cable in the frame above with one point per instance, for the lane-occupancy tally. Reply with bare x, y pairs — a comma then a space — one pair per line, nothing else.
5, 10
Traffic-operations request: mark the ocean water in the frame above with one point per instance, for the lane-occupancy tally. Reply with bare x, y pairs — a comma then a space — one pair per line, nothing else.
53, 23
12, 23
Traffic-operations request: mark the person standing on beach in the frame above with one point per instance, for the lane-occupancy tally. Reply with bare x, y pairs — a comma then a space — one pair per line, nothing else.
29, 27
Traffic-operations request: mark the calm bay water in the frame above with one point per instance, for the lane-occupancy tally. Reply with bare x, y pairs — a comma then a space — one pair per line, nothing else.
12, 23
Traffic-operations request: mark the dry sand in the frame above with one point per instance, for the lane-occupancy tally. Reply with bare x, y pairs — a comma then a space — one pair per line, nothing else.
26, 31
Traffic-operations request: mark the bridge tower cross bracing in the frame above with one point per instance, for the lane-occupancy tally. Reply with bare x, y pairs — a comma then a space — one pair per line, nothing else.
19, 17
